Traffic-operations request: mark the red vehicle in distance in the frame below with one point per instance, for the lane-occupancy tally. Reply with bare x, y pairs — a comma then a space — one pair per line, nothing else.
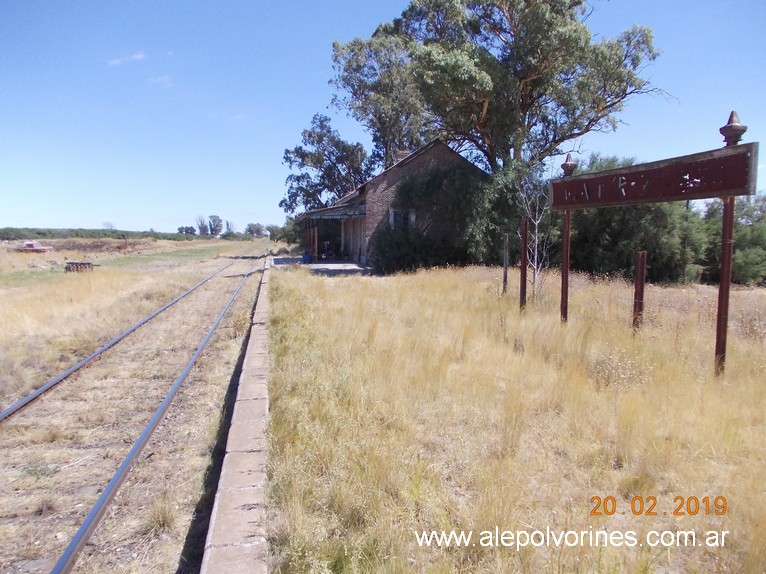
33, 247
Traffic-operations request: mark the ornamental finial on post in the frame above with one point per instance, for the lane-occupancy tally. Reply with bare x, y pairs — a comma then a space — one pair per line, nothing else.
733, 130
569, 166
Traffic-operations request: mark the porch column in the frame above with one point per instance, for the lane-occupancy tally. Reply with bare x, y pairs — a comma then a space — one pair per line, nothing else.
358, 242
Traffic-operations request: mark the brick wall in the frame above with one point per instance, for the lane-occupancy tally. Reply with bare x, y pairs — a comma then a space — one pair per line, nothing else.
381, 191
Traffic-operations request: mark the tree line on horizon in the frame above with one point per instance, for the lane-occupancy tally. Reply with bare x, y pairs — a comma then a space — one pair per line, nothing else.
220, 228
29, 233
214, 226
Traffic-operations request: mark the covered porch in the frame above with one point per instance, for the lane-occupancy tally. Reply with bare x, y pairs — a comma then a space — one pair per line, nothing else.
347, 242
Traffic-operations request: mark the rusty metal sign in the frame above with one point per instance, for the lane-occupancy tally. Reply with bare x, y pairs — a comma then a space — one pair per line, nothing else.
719, 173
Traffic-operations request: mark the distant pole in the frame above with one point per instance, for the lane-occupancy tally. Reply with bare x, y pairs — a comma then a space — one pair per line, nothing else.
524, 263
505, 263
568, 166
639, 280
732, 134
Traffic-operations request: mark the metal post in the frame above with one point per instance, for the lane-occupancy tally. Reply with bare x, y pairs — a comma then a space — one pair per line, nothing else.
565, 267
505, 263
724, 285
732, 134
524, 263
568, 166
639, 280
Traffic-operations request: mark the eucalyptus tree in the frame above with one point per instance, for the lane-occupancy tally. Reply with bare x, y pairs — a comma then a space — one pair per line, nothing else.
380, 90
255, 229
509, 83
215, 225
202, 225
517, 79
749, 261
327, 168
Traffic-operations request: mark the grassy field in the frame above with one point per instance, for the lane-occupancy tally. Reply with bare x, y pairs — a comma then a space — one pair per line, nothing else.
20, 269
429, 402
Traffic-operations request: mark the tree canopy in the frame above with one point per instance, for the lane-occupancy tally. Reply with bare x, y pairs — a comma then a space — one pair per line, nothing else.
511, 80
749, 261
328, 167
381, 93
215, 225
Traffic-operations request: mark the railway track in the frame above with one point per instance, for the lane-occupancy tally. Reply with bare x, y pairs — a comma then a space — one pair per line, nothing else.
126, 439
37, 393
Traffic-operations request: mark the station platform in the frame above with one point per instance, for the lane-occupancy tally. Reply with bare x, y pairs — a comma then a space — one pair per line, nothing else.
236, 539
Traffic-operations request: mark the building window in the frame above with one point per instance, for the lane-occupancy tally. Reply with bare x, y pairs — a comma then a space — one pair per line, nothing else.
400, 219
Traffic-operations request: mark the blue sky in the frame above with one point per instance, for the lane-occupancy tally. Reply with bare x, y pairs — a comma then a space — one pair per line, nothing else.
147, 114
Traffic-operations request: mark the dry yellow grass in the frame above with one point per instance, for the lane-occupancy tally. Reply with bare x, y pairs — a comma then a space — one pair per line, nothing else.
429, 402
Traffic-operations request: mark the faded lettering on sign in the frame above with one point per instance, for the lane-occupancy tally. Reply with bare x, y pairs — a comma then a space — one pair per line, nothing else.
724, 172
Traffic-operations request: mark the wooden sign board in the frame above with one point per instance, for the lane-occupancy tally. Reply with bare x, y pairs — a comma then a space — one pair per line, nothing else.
719, 173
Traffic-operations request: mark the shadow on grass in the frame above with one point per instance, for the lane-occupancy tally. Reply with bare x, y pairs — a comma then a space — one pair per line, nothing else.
194, 544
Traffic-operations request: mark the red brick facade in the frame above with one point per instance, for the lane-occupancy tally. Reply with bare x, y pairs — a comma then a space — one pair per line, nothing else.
375, 198
381, 190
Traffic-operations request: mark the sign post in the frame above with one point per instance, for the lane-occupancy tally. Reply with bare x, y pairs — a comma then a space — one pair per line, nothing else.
568, 167
732, 133
723, 173
639, 280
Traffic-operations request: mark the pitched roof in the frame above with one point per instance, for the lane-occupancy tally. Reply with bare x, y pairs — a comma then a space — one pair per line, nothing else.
334, 211
407, 159
362, 188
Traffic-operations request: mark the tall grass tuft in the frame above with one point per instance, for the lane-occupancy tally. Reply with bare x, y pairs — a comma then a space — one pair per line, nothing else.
162, 513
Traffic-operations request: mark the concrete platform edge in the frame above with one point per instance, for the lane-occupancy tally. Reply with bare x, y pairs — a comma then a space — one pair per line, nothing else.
236, 535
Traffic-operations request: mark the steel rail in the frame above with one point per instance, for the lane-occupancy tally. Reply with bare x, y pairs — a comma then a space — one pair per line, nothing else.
68, 559
76, 367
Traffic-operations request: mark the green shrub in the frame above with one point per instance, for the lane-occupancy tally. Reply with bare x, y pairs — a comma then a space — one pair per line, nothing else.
749, 266
407, 249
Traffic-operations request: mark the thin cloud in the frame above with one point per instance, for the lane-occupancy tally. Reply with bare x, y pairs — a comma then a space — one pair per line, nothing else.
162, 81
135, 57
